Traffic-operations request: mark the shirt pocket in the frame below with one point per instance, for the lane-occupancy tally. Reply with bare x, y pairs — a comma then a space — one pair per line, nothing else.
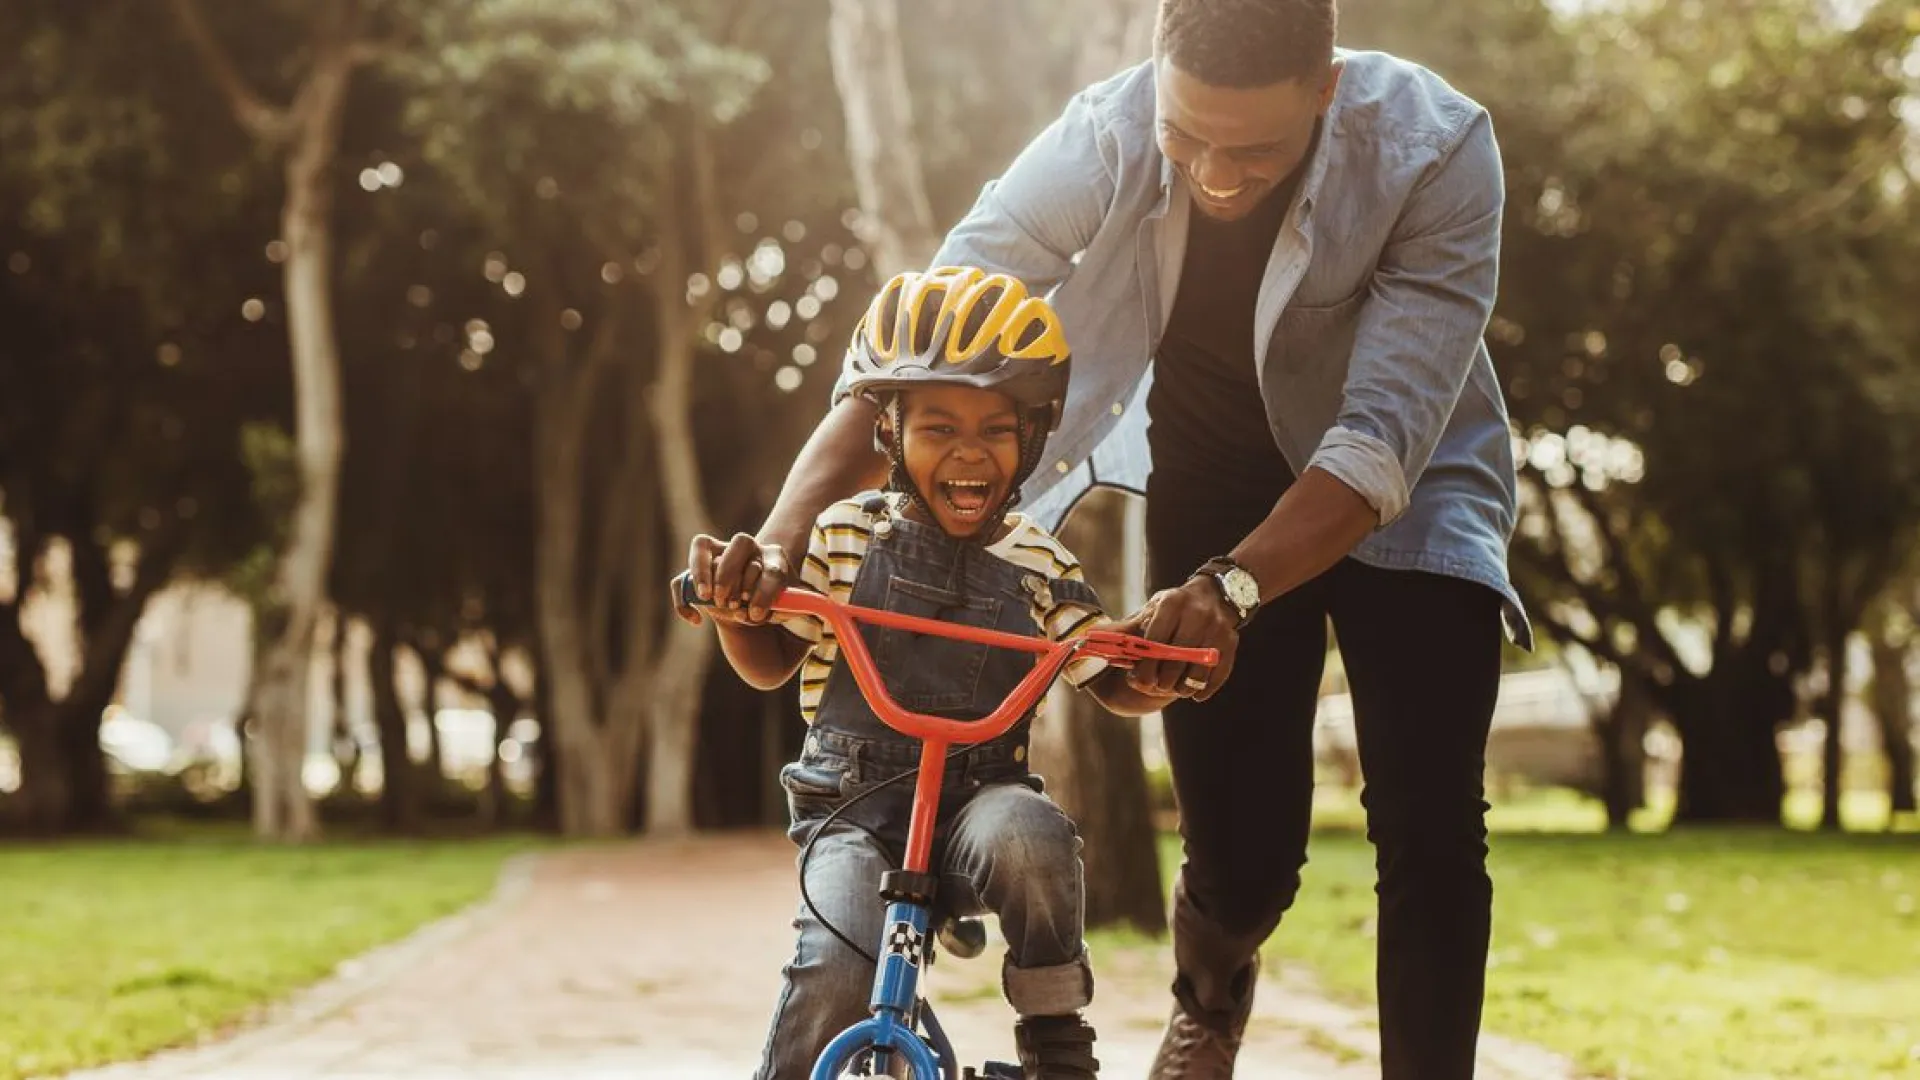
1306, 371
926, 673
1309, 335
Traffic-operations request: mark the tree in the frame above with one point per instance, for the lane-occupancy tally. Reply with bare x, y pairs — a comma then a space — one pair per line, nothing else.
615, 208
307, 133
126, 382
1704, 294
1679, 250
870, 70
1891, 642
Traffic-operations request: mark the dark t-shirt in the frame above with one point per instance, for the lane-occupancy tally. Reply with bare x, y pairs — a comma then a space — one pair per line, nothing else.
1207, 426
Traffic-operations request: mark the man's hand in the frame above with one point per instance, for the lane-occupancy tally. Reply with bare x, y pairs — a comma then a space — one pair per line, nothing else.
1194, 615
740, 577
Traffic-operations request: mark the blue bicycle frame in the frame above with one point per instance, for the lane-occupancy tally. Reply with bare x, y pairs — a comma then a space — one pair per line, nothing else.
907, 947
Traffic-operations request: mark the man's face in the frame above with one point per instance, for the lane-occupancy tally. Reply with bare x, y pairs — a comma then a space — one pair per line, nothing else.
962, 448
1234, 146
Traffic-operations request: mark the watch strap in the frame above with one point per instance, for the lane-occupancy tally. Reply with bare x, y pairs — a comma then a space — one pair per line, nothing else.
1217, 568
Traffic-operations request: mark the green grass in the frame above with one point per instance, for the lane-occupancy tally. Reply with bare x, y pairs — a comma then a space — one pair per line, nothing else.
1686, 956
110, 950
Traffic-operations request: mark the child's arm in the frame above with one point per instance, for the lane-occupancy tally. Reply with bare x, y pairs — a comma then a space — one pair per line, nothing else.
765, 656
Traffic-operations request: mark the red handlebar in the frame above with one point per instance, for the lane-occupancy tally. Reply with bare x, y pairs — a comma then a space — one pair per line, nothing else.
1121, 650
934, 732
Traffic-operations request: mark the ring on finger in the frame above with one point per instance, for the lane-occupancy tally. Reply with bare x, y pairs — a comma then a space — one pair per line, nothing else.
1192, 683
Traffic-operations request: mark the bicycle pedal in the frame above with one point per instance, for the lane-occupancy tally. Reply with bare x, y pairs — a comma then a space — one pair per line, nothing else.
995, 1070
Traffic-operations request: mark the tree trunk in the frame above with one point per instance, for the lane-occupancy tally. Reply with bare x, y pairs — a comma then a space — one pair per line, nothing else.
1730, 768
41, 801
737, 755
107, 624
45, 796
275, 750
1091, 758
870, 72
433, 665
1892, 698
63, 774
283, 809
1623, 754
674, 669
546, 778
399, 787
584, 780
346, 748
1832, 756
90, 796
505, 706
678, 675
673, 732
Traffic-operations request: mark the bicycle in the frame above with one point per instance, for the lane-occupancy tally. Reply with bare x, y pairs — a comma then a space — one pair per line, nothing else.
906, 947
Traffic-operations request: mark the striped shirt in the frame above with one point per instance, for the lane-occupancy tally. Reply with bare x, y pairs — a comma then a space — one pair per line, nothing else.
839, 545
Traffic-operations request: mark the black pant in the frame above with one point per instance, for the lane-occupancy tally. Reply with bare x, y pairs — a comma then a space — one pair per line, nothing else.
1422, 655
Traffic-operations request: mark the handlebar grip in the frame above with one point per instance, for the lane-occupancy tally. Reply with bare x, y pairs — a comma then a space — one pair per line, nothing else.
1128, 650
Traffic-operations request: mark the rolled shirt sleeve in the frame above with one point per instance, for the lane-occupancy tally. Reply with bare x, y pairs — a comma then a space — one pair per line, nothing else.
1420, 326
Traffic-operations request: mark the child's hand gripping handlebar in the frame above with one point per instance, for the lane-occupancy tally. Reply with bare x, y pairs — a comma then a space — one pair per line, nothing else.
1120, 650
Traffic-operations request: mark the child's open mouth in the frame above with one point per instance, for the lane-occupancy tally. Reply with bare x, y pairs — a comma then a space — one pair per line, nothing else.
966, 498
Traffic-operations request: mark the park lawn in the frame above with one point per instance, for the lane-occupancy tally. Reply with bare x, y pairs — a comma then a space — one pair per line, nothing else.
1688, 956
111, 950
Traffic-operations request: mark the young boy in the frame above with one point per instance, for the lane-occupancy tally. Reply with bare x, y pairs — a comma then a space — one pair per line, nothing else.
970, 374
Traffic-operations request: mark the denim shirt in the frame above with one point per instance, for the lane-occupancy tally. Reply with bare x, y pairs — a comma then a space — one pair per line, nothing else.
1368, 327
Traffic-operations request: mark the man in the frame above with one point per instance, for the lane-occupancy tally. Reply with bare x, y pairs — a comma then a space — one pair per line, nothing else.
1302, 246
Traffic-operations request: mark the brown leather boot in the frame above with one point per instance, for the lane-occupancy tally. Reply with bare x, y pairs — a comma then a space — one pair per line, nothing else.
1201, 1047
1056, 1048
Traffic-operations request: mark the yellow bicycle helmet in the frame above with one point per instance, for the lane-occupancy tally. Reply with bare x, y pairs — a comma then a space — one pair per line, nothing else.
961, 326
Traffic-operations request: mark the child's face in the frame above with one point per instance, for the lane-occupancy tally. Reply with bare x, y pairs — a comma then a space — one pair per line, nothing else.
962, 448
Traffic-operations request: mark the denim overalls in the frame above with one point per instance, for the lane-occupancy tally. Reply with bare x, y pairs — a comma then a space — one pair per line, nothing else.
1001, 845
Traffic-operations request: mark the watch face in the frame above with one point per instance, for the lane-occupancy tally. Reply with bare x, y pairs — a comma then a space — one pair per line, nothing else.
1241, 589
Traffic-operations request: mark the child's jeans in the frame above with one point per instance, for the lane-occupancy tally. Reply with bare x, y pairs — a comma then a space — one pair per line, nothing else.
1008, 849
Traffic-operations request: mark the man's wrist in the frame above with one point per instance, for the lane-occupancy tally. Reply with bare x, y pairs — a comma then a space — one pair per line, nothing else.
1234, 585
1205, 586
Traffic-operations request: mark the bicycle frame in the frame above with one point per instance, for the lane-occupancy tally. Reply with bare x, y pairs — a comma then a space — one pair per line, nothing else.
905, 944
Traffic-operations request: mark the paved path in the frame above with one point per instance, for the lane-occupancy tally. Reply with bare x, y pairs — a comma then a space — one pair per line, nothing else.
662, 960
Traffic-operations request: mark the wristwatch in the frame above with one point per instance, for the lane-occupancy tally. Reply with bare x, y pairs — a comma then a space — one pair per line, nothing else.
1237, 586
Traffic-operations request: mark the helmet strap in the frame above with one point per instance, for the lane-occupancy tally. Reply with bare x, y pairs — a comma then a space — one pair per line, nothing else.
898, 478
